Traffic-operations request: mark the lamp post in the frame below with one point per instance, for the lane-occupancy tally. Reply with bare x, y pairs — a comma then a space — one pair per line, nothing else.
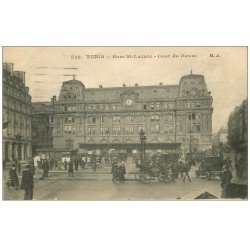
18, 138
107, 133
143, 139
190, 141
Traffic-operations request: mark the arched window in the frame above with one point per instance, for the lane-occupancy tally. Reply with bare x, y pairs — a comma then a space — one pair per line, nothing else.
129, 118
116, 118
193, 117
169, 118
91, 119
155, 118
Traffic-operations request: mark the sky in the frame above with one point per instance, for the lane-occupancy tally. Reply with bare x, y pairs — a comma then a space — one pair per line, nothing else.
47, 67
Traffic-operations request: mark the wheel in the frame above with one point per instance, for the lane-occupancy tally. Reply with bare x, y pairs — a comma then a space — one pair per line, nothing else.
197, 173
168, 178
142, 177
161, 177
208, 176
137, 174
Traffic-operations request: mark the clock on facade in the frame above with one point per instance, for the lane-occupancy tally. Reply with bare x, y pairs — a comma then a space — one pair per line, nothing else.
70, 95
129, 102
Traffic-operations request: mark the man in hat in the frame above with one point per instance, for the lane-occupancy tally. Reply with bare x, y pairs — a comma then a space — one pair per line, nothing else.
27, 183
76, 164
13, 179
71, 168
45, 169
186, 170
226, 176
114, 171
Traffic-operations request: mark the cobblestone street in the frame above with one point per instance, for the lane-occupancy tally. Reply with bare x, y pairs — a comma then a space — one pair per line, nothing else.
99, 186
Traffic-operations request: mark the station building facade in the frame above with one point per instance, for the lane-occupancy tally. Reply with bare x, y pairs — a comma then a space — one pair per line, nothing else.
17, 110
111, 118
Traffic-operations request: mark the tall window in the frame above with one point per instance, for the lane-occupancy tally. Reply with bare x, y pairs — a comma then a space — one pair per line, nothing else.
104, 119
91, 119
69, 129
193, 117
116, 128
142, 127
155, 128
155, 118
194, 123
129, 118
129, 128
116, 118
91, 129
169, 118
169, 128
69, 120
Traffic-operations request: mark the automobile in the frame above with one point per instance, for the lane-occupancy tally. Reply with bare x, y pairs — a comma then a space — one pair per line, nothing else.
210, 168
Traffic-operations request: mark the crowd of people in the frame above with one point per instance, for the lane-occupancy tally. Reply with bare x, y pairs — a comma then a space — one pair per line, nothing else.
118, 171
172, 168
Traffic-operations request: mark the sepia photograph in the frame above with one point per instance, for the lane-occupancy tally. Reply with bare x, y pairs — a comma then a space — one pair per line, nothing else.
124, 123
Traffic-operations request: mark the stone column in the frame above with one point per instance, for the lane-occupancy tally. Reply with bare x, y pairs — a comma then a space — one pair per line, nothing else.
10, 151
22, 151
16, 151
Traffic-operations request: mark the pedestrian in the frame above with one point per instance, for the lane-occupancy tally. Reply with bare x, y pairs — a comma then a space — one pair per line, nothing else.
18, 165
228, 163
65, 164
45, 169
237, 168
71, 168
83, 164
181, 167
173, 170
186, 170
32, 169
94, 164
121, 172
114, 172
226, 177
13, 178
76, 164
27, 183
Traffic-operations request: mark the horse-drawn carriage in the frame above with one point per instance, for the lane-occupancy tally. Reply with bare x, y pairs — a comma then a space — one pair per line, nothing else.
159, 166
210, 168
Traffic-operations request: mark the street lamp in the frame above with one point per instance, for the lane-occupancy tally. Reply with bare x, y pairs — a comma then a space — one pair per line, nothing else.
18, 138
143, 139
107, 133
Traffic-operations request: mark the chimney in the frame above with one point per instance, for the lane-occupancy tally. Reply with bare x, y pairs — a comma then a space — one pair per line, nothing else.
100, 86
161, 83
54, 97
20, 75
124, 85
9, 67
136, 85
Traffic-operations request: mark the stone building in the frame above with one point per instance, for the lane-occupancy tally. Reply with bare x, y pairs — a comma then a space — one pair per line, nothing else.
111, 118
238, 134
42, 126
17, 109
238, 126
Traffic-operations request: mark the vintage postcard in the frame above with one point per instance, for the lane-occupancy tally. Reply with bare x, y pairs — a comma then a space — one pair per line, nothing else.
124, 123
